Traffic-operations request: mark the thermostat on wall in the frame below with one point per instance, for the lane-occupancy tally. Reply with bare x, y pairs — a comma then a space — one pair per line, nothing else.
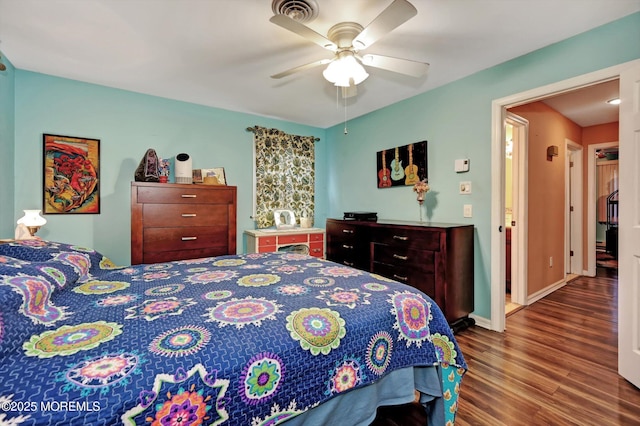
462, 165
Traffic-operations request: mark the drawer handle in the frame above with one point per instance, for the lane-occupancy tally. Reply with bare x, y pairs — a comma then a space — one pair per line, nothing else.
188, 195
348, 263
189, 238
348, 231
397, 256
398, 277
400, 237
188, 215
347, 246
317, 250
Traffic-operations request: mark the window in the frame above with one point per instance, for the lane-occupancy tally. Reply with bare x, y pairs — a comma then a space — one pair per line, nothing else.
284, 174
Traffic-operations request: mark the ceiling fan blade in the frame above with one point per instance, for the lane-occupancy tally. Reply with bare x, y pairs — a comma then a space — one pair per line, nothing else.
402, 66
396, 14
302, 30
301, 68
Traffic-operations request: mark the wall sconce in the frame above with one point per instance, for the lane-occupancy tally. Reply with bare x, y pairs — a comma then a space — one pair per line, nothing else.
32, 220
552, 151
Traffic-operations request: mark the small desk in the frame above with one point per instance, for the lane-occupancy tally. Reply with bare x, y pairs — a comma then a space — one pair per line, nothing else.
270, 240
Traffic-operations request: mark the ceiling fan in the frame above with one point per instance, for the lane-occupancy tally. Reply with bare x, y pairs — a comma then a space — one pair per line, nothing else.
347, 39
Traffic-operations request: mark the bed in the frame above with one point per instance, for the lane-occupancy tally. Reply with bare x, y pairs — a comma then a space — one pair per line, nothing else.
253, 339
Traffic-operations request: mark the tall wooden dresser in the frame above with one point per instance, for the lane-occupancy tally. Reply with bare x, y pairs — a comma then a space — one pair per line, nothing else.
181, 221
435, 258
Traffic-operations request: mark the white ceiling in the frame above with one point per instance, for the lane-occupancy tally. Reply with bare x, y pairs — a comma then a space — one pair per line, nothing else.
221, 53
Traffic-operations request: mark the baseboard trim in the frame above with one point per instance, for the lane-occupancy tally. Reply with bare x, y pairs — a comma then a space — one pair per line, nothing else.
481, 321
546, 291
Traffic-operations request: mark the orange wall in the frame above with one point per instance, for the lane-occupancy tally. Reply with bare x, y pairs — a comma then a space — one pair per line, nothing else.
546, 193
600, 133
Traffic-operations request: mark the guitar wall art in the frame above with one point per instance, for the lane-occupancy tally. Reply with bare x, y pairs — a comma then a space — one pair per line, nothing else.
402, 165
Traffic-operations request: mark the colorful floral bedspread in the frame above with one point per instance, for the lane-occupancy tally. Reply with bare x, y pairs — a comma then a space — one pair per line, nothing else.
251, 339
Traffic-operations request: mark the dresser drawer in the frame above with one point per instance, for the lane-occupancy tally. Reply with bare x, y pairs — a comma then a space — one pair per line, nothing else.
191, 194
408, 238
404, 258
341, 231
168, 256
316, 237
425, 282
293, 239
176, 215
316, 249
267, 242
347, 255
184, 238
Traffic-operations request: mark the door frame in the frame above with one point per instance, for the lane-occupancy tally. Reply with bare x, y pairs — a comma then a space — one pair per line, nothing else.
592, 198
628, 226
573, 195
519, 239
498, 114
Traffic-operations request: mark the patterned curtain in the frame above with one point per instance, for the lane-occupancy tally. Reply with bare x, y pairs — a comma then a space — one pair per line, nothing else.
284, 174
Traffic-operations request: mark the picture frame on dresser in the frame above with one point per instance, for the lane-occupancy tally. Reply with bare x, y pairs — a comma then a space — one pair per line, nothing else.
71, 175
214, 176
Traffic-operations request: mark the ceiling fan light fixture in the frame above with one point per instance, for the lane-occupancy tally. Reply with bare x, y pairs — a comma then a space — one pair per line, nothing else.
345, 71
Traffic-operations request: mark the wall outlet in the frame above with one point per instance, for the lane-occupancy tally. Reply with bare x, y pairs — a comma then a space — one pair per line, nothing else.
465, 187
467, 210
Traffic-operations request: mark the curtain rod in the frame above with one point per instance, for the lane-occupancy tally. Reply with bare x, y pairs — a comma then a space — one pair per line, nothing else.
255, 129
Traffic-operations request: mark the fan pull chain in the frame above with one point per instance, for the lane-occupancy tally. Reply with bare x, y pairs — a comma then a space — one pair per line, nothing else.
342, 90
345, 116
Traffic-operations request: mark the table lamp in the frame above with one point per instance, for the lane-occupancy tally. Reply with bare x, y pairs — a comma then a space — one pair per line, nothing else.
32, 220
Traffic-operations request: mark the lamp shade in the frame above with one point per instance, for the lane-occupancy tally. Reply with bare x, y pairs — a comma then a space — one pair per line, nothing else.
344, 70
32, 218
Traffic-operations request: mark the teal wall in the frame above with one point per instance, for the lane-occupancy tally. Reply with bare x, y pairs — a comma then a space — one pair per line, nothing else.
455, 119
7, 144
127, 124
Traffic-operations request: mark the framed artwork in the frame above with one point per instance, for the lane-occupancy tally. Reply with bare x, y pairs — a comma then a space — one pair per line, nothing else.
71, 175
402, 166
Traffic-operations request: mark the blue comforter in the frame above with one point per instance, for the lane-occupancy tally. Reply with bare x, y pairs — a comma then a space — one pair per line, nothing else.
252, 339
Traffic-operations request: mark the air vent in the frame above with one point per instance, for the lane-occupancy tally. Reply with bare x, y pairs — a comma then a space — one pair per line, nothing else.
298, 10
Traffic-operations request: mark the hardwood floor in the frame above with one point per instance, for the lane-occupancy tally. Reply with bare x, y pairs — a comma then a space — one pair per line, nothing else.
556, 364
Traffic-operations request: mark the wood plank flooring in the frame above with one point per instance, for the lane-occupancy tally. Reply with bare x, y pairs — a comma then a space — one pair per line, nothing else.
556, 364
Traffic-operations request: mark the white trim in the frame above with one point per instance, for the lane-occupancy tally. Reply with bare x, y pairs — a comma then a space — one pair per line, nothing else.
519, 236
546, 291
592, 198
498, 107
481, 321
498, 112
629, 227
573, 236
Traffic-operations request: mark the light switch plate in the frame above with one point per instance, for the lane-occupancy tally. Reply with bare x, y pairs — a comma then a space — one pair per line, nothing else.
465, 187
467, 210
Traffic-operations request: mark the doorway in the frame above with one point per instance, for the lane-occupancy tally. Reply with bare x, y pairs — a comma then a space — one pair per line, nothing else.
515, 195
592, 215
499, 113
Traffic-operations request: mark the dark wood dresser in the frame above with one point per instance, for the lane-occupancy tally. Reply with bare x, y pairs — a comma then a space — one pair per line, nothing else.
181, 221
436, 258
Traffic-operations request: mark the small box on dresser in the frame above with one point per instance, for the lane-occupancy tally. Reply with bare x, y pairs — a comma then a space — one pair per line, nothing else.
181, 221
